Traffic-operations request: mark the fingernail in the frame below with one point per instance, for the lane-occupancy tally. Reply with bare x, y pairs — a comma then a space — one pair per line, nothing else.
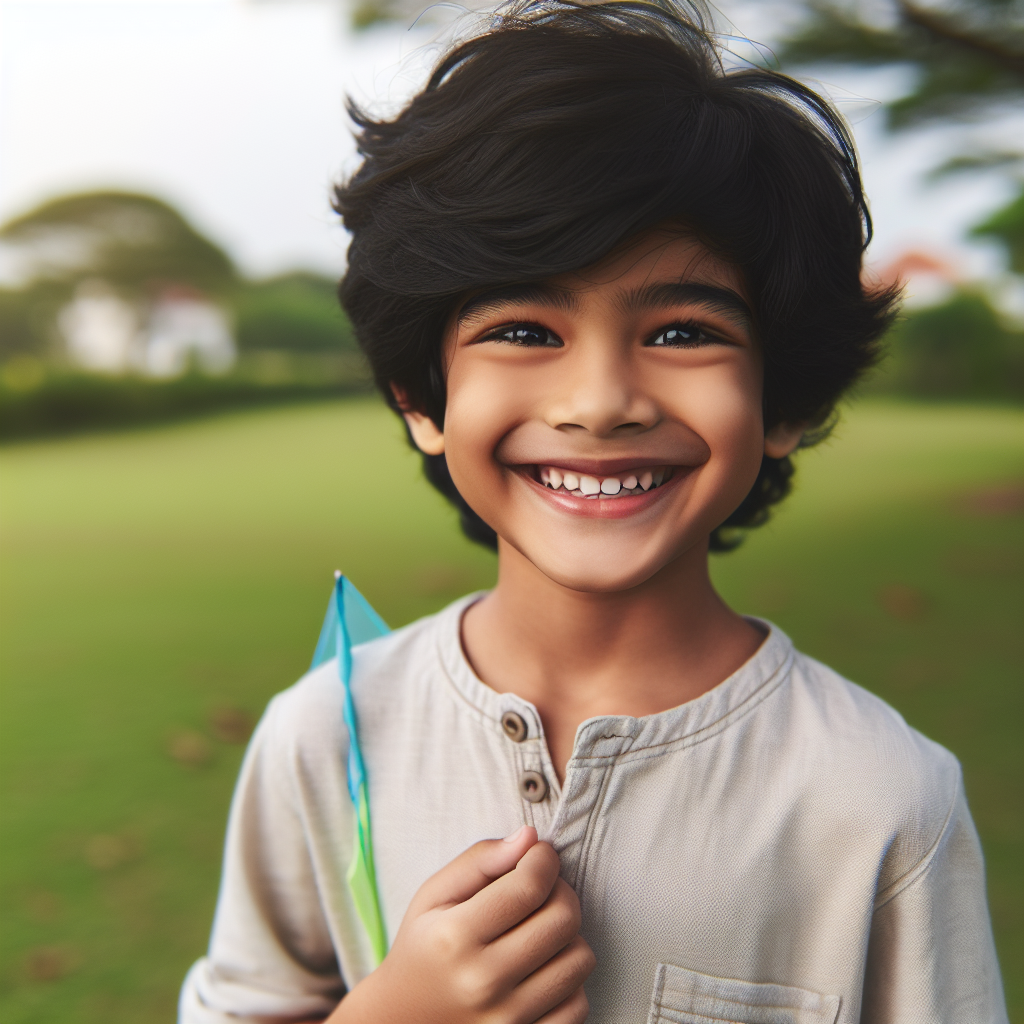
515, 835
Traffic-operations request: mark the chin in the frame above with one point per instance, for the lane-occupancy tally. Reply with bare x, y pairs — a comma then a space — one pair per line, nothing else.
581, 568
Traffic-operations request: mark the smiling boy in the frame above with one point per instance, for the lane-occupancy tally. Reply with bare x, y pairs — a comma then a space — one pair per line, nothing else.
611, 288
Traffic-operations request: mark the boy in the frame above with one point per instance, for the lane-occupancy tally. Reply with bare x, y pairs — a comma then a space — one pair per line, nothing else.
611, 288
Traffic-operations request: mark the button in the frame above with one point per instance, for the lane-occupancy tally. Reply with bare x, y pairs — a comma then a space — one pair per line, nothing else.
533, 786
514, 726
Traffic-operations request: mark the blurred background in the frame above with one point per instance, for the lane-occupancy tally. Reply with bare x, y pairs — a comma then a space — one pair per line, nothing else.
189, 446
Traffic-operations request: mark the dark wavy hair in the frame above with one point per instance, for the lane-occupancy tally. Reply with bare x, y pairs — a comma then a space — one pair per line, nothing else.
565, 128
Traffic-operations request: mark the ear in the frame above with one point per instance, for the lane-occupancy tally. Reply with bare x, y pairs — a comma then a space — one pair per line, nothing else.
783, 439
424, 430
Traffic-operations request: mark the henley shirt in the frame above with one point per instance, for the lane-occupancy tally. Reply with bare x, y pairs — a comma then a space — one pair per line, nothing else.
784, 849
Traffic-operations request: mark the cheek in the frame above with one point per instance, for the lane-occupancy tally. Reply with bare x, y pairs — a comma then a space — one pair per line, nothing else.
722, 404
481, 409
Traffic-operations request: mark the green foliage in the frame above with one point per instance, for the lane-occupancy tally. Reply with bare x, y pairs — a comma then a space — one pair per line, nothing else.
367, 13
959, 349
28, 320
294, 340
152, 579
969, 54
298, 312
19, 333
35, 401
134, 242
1007, 227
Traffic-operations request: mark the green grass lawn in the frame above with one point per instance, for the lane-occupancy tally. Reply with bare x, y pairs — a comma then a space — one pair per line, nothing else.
158, 586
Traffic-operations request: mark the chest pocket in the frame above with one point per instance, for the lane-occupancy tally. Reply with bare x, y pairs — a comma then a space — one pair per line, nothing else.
685, 997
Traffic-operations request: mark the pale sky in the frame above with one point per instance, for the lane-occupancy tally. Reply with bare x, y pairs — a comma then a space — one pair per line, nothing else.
233, 111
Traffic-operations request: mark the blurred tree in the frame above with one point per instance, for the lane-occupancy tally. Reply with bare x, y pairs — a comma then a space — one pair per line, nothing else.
969, 54
297, 312
295, 340
134, 242
961, 348
1006, 226
969, 61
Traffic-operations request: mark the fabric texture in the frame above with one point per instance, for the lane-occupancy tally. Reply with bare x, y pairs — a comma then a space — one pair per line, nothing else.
784, 849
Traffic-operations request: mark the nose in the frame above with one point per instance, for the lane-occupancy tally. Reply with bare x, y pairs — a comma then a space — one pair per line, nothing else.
600, 392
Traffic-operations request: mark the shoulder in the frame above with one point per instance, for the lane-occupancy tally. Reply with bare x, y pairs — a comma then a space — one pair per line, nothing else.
857, 723
876, 771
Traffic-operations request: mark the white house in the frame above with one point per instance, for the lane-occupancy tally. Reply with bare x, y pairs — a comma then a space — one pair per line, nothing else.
180, 327
100, 329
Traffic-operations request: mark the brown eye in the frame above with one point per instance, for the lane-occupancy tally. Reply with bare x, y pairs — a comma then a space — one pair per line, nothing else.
681, 336
526, 335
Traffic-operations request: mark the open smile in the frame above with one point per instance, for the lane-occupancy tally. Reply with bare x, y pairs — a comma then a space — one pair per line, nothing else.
618, 486
605, 494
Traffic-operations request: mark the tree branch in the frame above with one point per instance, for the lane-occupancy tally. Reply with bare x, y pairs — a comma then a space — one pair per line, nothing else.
942, 28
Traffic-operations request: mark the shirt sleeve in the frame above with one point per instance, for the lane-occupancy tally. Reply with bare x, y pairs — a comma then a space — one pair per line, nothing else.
931, 956
271, 955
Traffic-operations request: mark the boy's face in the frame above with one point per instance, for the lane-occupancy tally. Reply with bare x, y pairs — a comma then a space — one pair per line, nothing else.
639, 369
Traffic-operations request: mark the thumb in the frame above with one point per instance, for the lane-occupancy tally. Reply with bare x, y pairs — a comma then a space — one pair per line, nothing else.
473, 870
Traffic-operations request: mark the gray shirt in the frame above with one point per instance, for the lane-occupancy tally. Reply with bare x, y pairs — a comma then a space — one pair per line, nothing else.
784, 849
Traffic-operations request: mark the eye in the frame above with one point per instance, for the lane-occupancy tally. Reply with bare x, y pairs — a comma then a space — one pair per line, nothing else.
682, 336
525, 335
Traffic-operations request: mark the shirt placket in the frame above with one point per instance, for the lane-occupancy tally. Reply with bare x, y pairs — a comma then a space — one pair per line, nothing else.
595, 755
535, 778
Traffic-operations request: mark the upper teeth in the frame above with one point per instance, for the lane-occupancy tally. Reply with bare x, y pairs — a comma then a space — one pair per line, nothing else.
607, 486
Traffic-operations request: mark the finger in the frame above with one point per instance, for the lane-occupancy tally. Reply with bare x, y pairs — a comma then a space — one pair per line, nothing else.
573, 1011
530, 944
514, 896
552, 984
472, 870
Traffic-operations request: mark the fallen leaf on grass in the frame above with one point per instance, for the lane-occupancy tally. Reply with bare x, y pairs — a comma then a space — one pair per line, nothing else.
1007, 500
189, 748
231, 725
50, 963
902, 602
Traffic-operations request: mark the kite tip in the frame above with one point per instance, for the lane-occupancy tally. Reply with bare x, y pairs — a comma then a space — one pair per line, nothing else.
337, 574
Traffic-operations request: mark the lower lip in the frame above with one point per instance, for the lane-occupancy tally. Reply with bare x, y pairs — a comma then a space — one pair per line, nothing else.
606, 508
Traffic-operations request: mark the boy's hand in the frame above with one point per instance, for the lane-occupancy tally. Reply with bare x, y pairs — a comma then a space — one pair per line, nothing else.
492, 938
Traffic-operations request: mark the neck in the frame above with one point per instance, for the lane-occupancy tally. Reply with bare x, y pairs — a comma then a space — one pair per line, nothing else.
578, 655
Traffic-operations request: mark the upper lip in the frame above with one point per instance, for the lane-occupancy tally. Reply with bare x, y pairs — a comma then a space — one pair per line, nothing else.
602, 467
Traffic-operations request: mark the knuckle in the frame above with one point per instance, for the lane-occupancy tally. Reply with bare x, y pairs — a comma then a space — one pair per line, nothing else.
588, 960
461, 987
581, 948
567, 894
567, 973
561, 917
446, 937
564, 925
532, 889
579, 1007
474, 987
545, 855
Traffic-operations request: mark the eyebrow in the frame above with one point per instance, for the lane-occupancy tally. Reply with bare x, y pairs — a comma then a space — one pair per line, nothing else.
721, 300
533, 293
655, 296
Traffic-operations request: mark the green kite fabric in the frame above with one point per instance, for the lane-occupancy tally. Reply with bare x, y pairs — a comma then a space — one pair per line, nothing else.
349, 621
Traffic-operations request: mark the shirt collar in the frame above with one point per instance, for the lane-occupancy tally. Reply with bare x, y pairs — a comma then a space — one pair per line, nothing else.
615, 735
